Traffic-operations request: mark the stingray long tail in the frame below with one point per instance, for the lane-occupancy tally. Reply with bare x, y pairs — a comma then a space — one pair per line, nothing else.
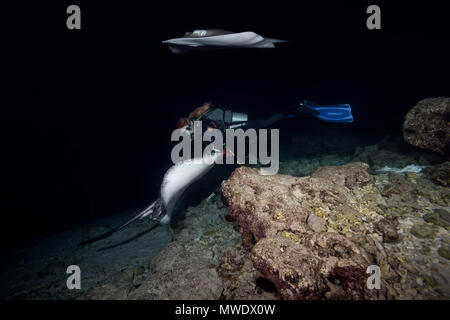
155, 207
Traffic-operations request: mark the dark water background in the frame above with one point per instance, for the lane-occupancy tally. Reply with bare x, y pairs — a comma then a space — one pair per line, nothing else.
87, 115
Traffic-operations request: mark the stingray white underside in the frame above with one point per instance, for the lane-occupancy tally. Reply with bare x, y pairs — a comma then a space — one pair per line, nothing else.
176, 180
179, 177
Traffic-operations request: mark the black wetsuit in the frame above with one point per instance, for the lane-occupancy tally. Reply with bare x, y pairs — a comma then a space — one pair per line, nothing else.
267, 122
222, 119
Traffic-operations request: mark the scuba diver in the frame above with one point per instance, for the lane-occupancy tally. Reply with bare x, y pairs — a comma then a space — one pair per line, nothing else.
182, 174
223, 119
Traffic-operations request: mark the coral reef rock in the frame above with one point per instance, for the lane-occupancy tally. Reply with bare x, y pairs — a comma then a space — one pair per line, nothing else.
440, 174
240, 278
302, 270
204, 261
180, 272
427, 125
313, 237
391, 152
186, 268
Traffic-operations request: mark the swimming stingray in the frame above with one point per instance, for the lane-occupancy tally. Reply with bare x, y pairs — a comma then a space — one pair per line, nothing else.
175, 181
217, 38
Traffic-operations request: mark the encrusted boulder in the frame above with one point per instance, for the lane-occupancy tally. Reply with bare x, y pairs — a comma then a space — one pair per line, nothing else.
427, 125
263, 205
313, 267
314, 236
240, 278
289, 243
267, 205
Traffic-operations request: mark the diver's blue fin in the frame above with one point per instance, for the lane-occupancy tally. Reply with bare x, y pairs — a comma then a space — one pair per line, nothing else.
332, 113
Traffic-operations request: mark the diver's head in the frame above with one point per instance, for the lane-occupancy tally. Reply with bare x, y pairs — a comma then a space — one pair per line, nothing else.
182, 123
187, 123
